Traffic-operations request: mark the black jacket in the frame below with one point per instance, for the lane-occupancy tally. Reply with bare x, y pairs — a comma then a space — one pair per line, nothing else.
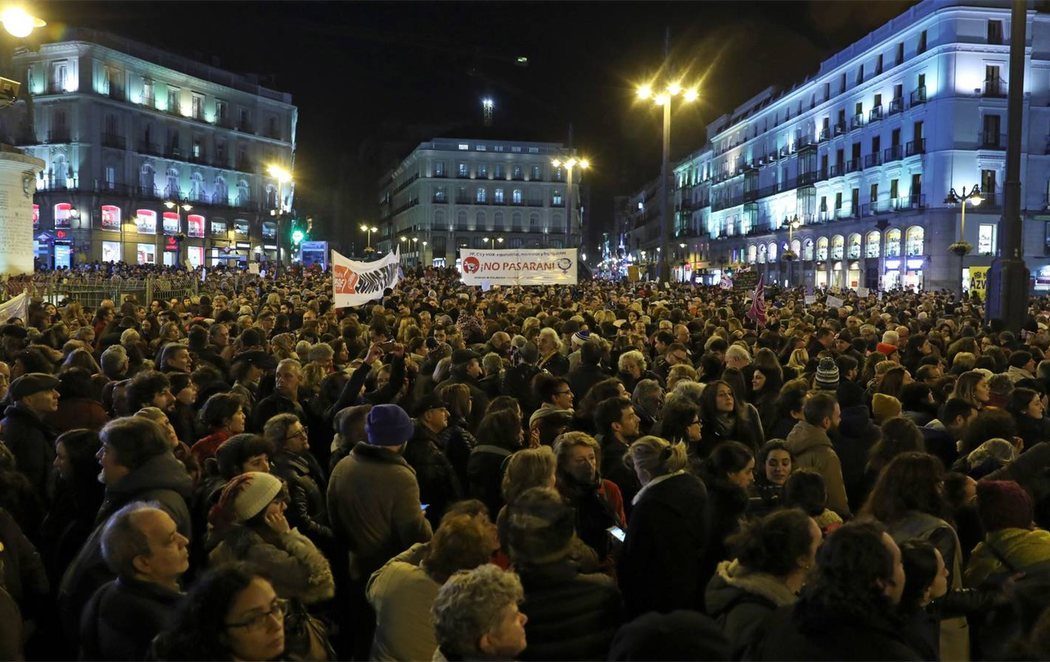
438, 485
274, 404
32, 443
660, 563
485, 476
571, 616
857, 433
307, 487
583, 378
802, 632
122, 617
456, 442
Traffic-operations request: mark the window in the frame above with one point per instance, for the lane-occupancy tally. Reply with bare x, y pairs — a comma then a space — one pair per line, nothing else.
556, 199
842, 82
871, 245
483, 171
874, 194
822, 249
480, 195
837, 245
197, 108
536, 175
439, 168
838, 200
916, 189
517, 173
878, 65
222, 111
807, 250
922, 42
860, 74
893, 243
986, 239
995, 32
146, 254
497, 196
499, 172
174, 99
515, 196
894, 189
462, 170
900, 52
913, 241
853, 247
59, 76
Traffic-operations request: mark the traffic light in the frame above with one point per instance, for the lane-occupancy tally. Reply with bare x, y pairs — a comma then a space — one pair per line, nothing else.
297, 237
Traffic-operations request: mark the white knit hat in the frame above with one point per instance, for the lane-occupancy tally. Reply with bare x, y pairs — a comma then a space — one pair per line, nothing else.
256, 491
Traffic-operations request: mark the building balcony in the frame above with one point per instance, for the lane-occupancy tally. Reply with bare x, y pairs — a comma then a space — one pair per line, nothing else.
916, 147
58, 136
893, 153
857, 121
839, 128
875, 114
173, 152
872, 160
113, 140
994, 89
896, 106
807, 178
825, 134
918, 96
836, 170
992, 140
910, 203
853, 165
462, 200
144, 147
439, 200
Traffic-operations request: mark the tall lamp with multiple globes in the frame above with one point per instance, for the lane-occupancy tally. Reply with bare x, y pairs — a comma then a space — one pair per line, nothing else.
283, 176
571, 164
962, 247
664, 96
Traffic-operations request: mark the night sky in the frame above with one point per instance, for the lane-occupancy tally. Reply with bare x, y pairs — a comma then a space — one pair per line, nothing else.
372, 80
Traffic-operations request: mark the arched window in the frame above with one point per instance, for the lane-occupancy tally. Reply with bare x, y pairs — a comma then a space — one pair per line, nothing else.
796, 247
172, 189
61, 170
197, 187
244, 193
439, 219
146, 179
752, 254
771, 254
762, 254
461, 220
221, 193
271, 196
497, 221
534, 223
837, 244
853, 246
807, 249
913, 241
822, 249
479, 221
557, 223
871, 245
517, 223
893, 243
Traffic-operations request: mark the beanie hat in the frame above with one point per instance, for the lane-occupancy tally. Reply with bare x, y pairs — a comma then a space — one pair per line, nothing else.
885, 348
388, 425
827, 374
580, 337
1003, 504
884, 407
244, 497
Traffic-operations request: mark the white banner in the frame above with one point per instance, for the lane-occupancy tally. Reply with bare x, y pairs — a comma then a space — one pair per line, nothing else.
15, 307
518, 266
356, 283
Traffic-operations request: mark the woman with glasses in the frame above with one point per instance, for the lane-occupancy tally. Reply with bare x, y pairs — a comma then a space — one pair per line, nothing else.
307, 484
232, 613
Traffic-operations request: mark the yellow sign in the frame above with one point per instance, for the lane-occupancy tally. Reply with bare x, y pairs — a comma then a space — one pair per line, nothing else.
979, 281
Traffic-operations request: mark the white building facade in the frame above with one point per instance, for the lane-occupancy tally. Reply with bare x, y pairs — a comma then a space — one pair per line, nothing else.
848, 171
452, 193
124, 128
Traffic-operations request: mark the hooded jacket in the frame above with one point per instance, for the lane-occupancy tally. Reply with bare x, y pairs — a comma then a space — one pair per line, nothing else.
739, 600
1023, 548
812, 449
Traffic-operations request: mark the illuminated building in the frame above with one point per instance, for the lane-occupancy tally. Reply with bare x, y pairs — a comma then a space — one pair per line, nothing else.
124, 127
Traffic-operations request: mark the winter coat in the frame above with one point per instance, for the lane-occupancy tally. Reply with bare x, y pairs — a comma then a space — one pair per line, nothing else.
747, 430
739, 600
206, 447
1032, 430
1023, 548
32, 442
485, 468
438, 485
402, 593
24, 576
583, 378
122, 618
811, 448
660, 562
726, 507
270, 406
857, 433
597, 507
557, 364
162, 479
73, 413
810, 632
293, 564
456, 442
572, 616
307, 509
939, 442
517, 383
1029, 471
373, 504
615, 470
69, 521
955, 636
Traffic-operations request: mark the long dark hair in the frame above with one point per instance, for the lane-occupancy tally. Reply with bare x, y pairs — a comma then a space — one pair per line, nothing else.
910, 482
196, 632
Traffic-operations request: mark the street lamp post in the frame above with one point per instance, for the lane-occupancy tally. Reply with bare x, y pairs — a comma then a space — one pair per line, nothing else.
171, 204
282, 176
368, 230
790, 255
962, 247
571, 164
664, 98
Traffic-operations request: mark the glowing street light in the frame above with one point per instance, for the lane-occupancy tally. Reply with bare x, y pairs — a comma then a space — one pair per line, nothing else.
962, 247
368, 230
570, 164
19, 23
665, 98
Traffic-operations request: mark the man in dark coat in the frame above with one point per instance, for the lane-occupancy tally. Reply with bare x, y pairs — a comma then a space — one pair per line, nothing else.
285, 396
142, 546
137, 465
438, 485
466, 369
589, 372
32, 441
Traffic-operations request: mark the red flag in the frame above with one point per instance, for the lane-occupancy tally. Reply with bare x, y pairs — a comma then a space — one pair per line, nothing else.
758, 304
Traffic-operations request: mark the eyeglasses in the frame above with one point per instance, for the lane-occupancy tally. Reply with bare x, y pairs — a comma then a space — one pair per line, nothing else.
278, 609
304, 433
563, 392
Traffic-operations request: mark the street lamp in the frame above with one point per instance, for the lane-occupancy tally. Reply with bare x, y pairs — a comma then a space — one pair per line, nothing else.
962, 247
664, 98
790, 255
368, 230
171, 204
283, 176
19, 23
571, 164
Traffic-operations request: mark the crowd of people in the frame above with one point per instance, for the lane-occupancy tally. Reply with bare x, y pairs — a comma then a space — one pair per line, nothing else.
617, 471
